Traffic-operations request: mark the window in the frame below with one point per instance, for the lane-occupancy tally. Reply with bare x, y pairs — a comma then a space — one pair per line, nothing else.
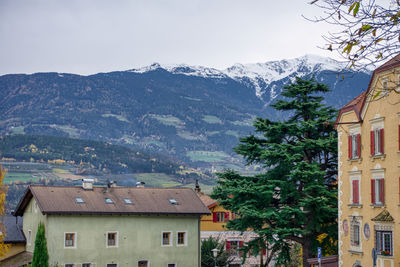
378, 191
384, 243
181, 238
108, 200
173, 201
355, 191
112, 265
112, 239
220, 216
233, 247
69, 265
79, 200
355, 233
354, 146
86, 265
166, 239
143, 264
127, 201
29, 237
171, 265
377, 142
69, 240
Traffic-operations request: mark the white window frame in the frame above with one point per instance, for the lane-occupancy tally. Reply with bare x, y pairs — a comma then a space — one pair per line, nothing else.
29, 241
75, 239
170, 238
382, 242
116, 240
355, 220
377, 141
354, 146
35, 206
185, 239
237, 250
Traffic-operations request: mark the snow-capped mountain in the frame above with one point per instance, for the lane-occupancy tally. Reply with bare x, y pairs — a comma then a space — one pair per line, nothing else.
262, 77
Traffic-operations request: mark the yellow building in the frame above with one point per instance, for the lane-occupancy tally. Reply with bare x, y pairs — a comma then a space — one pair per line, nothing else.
369, 172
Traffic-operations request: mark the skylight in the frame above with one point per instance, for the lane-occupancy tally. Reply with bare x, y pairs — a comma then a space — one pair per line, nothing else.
127, 201
108, 200
173, 201
79, 200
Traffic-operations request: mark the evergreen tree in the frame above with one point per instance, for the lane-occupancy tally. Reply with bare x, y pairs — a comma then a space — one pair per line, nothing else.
40, 254
207, 256
294, 200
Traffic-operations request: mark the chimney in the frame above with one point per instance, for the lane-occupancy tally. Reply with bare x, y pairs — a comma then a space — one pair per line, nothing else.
87, 184
140, 184
197, 187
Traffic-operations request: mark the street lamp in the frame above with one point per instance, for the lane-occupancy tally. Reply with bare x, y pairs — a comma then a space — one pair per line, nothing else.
215, 253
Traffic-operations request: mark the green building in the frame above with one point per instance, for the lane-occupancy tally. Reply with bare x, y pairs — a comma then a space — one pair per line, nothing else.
114, 226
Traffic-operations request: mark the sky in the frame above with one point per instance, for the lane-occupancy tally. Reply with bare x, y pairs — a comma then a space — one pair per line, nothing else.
91, 36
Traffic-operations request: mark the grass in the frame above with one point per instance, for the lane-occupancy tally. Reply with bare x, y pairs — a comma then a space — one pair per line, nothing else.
233, 133
207, 156
211, 119
189, 136
21, 177
118, 117
157, 179
169, 120
191, 98
18, 130
72, 132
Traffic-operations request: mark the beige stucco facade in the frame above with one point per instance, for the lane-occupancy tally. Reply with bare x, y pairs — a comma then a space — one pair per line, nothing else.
368, 188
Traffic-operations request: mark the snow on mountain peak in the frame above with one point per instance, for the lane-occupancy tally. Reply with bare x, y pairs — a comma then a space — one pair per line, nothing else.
259, 75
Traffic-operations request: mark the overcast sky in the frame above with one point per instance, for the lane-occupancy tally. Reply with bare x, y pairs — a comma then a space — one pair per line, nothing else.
90, 36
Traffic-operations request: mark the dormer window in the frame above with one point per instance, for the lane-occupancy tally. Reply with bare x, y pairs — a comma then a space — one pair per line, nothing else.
108, 200
173, 201
127, 201
79, 200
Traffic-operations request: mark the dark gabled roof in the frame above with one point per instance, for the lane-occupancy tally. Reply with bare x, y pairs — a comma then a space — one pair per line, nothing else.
358, 103
13, 229
384, 216
62, 200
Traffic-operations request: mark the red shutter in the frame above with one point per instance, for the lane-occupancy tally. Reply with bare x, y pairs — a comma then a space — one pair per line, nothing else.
214, 217
382, 192
372, 143
228, 245
226, 216
382, 141
373, 191
264, 250
359, 145
350, 150
355, 192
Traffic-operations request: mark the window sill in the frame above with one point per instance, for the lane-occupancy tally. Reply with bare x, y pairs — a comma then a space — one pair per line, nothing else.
385, 257
355, 206
381, 156
356, 252
355, 160
378, 205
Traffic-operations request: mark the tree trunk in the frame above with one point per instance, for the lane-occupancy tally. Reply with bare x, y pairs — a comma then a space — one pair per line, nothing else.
307, 252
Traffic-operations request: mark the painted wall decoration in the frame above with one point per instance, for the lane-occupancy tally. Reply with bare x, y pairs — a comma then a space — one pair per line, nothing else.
367, 231
345, 227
